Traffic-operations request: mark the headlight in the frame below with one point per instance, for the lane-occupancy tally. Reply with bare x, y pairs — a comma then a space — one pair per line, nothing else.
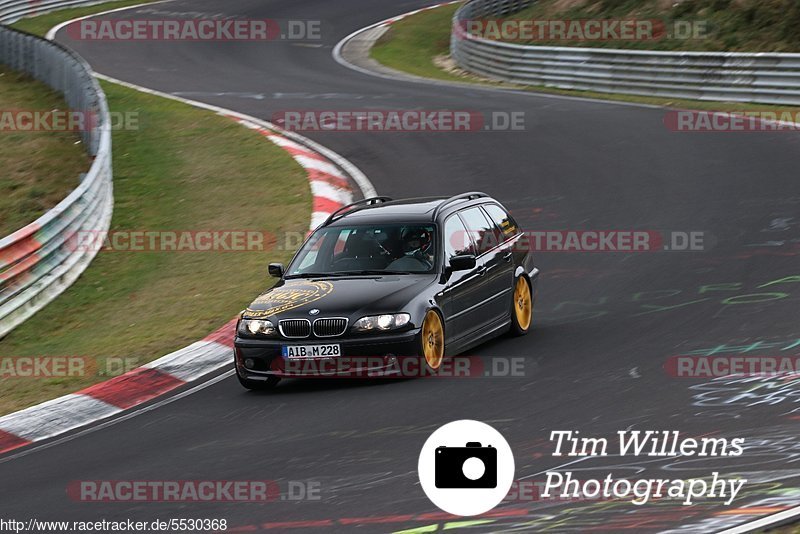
256, 327
382, 322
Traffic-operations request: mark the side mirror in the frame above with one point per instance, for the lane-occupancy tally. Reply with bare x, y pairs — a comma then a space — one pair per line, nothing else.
276, 270
464, 262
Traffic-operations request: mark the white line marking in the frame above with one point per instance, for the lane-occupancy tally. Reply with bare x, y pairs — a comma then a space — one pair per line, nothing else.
412, 78
124, 417
764, 522
51, 33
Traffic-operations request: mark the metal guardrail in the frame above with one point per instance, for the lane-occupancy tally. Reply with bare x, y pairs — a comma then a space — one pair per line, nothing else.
769, 78
13, 10
39, 261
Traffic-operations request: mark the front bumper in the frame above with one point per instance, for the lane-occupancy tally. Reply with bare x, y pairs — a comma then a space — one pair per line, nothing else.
367, 355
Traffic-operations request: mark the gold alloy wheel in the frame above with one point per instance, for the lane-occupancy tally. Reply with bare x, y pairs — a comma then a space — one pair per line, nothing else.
433, 339
523, 308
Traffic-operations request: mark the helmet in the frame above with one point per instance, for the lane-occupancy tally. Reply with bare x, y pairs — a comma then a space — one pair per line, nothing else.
416, 239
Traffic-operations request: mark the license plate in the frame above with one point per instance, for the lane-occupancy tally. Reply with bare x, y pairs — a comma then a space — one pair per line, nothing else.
294, 352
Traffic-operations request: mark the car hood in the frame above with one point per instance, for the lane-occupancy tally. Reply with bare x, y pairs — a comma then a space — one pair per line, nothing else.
339, 297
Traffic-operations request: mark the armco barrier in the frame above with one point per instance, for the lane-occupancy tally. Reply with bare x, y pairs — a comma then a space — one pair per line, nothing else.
39, 261
13, 10
769, 78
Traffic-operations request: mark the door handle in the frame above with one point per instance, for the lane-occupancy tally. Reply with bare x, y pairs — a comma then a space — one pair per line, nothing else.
481, 270
508, 256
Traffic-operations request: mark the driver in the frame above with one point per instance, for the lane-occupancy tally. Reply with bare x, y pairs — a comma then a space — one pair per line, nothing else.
418, 243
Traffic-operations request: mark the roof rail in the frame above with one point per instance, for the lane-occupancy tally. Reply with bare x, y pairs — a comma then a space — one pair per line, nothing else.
463, 196
344, 210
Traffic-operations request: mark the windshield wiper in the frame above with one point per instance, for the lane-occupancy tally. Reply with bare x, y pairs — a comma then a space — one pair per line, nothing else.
370, 272
386, 272
309, 275
364, 272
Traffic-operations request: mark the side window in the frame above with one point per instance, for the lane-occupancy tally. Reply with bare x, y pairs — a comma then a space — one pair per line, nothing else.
484, 233
322, 249
318, 243
341, 242
503, 220
456, 239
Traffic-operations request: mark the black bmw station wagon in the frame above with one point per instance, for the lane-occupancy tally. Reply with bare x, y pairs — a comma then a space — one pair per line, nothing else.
384, 279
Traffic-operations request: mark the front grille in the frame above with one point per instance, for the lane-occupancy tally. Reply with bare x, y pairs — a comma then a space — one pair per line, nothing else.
330, 327
295, 328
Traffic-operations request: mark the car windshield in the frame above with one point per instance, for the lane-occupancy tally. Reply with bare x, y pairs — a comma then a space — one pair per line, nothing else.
367, 249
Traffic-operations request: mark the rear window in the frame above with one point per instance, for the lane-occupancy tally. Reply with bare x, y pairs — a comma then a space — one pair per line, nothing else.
502, 219
484, 233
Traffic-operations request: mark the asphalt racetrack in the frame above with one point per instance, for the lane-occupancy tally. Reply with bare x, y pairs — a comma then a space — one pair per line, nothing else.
605, 323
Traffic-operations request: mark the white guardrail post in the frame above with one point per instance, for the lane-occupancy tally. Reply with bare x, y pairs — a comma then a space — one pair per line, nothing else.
41, 260
769, 78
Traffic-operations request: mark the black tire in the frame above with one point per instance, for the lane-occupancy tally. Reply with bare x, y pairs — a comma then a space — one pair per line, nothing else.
516, 329
259, 385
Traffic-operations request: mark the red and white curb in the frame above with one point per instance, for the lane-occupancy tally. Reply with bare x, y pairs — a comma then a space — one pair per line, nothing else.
111, 397
330, 187
331, 190
330, 177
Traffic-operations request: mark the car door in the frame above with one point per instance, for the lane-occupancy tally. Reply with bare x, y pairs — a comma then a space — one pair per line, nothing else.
463, 289
506, 231
494, 260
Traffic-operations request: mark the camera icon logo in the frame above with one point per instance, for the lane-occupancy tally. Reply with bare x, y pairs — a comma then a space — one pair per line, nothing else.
466, 468
472, 466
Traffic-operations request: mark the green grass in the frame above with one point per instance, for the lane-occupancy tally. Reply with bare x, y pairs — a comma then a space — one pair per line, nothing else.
40, 168
183, 169
420, 45
41, 25
411, 44
728, 25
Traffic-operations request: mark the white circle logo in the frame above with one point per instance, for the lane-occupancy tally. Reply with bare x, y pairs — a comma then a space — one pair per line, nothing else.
466, 467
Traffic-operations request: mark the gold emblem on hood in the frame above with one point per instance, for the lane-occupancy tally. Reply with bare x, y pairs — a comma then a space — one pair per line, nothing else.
289, 297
